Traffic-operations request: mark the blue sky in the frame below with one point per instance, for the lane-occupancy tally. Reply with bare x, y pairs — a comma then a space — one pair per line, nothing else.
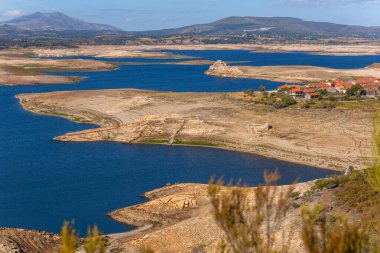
156, 14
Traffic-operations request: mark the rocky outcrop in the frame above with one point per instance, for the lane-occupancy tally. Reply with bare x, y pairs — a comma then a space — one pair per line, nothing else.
27, 241
220, 68
7, 245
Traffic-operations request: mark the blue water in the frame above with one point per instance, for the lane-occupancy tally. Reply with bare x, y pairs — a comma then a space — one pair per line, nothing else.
43, 182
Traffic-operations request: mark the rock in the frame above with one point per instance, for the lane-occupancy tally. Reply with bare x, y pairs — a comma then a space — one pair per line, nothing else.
263, 128
220, 68
7, 245
349, 170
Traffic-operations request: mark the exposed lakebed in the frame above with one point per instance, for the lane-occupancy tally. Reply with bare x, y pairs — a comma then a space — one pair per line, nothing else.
43, 182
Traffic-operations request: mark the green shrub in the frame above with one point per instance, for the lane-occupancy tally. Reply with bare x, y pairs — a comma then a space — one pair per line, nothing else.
295, 194
249, 92
355, 90
262, 88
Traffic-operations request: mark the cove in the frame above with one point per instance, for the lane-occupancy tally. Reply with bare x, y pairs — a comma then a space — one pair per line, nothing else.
44, 182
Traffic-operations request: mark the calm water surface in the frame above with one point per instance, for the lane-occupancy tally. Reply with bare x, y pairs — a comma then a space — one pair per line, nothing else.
43, 182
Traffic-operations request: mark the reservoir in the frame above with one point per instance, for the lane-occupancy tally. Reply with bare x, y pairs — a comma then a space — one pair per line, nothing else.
44, 182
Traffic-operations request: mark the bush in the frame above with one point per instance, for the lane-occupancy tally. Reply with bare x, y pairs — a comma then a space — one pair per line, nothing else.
323, 235
355, 90
287, 100
250, 227
262, 88
305, 104
93, 243
249, 92
332, 98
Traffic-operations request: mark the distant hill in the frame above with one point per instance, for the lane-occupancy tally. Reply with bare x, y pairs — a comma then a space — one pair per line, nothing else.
270, 26
55, 21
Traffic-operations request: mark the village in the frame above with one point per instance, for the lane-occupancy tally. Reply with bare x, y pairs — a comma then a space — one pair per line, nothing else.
363, 86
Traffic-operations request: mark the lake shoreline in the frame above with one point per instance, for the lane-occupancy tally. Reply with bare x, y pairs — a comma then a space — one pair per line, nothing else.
176, 126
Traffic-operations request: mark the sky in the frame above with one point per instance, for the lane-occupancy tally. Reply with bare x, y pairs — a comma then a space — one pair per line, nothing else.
137, 15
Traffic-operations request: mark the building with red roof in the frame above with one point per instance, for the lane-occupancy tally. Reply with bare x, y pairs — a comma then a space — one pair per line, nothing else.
366, 80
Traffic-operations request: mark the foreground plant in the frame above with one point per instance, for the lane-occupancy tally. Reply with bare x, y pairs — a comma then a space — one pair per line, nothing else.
69, 241
93, 243
374, 170
249, 225
338, 236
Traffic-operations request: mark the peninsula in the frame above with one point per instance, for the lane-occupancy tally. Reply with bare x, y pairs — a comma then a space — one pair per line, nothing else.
328, 138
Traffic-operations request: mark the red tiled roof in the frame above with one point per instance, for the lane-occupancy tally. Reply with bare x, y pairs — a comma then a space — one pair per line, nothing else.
365, 80
344, 85
371, 89
296, 89
309, 90
287, 86
371, 85
319, 85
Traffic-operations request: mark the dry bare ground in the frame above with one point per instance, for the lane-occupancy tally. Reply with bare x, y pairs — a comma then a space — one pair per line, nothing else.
352, 49
328, 138
27, 241
144, 51
22, 70
182, 219
299, 74
106, 52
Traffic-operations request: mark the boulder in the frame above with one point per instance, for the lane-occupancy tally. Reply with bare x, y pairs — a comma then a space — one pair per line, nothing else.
349, 170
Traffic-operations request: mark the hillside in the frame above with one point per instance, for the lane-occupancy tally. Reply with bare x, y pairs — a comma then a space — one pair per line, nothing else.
270, 26
55, 22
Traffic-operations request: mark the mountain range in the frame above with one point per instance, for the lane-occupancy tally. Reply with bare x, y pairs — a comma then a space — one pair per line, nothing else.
58, 25
271, 26
55, 21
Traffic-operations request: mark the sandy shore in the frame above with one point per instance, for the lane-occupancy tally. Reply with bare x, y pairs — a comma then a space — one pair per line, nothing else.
22, 70
147, 51
299, 74
325, 138
106, 52
370, 48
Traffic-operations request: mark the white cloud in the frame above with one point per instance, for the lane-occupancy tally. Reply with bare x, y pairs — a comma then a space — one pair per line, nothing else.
13, 13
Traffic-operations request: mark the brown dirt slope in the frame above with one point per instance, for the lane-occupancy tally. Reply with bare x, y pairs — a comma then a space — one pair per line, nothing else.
27, 241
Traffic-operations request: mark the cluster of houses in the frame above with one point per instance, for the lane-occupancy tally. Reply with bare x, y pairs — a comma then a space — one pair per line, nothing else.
370, 85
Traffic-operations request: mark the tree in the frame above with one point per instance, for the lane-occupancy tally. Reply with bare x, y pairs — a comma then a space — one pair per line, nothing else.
355, 90
323, 92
